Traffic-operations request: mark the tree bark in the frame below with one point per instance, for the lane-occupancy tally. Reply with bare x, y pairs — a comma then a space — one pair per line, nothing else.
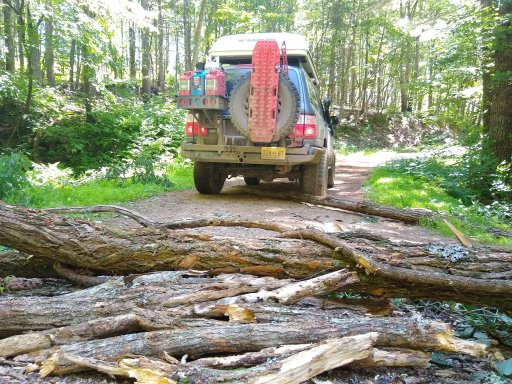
171, 314
20, 6
406, 215
198, 31
49, 56
160, 49
9, 38
146, 55
132, 52
479, 275
500, 94
187, 35
71, 79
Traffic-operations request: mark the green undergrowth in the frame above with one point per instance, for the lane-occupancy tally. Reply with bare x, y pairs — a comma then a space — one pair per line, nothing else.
442, 184
43, 186
105, 191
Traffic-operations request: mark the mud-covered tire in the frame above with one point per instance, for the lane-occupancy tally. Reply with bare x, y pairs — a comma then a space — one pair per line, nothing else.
332, 173
314, 178
288, 103
252, 180
207, 178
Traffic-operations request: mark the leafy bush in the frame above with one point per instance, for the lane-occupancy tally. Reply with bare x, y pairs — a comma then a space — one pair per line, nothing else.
468, 174
456, 181
123, 129
13, 178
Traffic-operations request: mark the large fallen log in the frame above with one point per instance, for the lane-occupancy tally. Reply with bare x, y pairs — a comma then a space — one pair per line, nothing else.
406, 215
479, 275
168, 315
297, 368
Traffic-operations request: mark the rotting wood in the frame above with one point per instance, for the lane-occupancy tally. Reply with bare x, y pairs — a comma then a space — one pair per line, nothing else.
123, 295
295, 369
158, 371
465, 242
77, 278
195, 324
387, 270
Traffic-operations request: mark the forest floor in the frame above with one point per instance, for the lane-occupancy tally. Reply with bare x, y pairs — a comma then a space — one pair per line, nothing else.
238, 201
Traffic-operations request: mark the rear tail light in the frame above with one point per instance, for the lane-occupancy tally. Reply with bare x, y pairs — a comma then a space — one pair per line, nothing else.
305, 128
192, 127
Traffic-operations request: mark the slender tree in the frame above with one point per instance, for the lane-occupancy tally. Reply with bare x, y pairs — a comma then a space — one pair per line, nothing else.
49, 56
9, 36
146, 55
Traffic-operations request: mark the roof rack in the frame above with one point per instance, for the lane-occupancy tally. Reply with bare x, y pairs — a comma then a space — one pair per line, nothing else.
234, 48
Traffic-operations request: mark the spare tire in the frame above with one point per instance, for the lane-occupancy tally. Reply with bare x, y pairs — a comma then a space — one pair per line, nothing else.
288, 106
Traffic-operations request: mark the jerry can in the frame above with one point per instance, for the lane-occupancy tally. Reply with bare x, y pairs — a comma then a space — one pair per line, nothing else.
185, 83
197, 83
216, 83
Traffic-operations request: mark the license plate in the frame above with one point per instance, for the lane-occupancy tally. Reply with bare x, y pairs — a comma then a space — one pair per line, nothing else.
273, 153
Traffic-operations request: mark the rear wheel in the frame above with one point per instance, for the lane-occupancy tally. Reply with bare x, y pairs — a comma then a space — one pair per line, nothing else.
207, 178
332, 173
252, 180
314, 180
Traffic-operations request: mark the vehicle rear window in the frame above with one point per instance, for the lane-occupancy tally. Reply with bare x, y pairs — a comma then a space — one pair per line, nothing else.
233, 74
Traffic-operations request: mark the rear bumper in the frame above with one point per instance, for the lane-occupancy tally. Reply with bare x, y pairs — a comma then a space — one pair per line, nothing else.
248, 154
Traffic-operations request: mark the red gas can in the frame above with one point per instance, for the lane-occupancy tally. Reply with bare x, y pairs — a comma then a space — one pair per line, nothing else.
216, 83
185, 83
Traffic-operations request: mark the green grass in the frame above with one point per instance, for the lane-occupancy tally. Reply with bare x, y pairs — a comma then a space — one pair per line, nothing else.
106, 191
389, 186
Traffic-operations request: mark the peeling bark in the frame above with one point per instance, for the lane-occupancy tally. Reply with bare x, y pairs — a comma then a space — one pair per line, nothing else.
480, 276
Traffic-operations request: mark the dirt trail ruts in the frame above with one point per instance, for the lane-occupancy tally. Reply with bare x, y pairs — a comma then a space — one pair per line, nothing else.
237, 202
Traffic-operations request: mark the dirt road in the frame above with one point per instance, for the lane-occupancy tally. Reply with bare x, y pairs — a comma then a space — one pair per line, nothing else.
237, 202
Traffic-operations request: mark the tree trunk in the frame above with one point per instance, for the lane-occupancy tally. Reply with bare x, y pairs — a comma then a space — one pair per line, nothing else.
9, 38
49, 57
198, 31
71, 79
478, 275
172, 314
131, 52
20, 6
34, 49
146, 56
187, 35
500, 94
160, 49
87, 76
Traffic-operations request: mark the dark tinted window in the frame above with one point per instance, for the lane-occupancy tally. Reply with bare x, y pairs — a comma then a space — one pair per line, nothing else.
314, 99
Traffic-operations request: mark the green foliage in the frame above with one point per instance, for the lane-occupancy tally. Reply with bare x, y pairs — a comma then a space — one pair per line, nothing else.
123, 129
12, 88
13, 178
60, 190
43, 186
12, 96
452, 183
3, 283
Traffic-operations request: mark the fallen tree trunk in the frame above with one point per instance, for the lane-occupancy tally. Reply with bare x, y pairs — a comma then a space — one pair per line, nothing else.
347, 351
475, 276
168, 315
406, 215
297, 368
